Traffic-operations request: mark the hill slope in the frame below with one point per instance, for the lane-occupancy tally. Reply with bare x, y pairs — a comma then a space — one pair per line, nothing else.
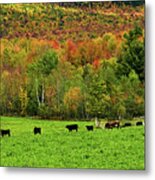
68, 20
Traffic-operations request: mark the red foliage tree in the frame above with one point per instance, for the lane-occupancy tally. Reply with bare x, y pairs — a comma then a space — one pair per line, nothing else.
55, 44
71, 46
96, 63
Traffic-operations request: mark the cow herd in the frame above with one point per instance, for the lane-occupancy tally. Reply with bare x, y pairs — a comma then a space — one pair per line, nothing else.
116, 124
37, 130
75, 127
71, 127
7, 132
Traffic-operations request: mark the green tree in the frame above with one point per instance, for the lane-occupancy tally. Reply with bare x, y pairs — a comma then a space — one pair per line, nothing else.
116, 104
132, 56
97, 99
133, 95
39, 71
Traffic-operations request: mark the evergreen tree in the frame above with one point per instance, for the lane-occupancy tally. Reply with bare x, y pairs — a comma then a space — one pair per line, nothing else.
132, 56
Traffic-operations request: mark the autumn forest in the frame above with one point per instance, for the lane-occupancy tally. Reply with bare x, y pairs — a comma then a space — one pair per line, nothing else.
72, 61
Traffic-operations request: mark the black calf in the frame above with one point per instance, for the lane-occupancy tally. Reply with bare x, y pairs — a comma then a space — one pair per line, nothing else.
90, 128
37, 130
127, 124
139, 123
5, 132
72, 127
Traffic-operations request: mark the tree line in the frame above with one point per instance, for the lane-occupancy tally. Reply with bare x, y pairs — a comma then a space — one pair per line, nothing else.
55, 80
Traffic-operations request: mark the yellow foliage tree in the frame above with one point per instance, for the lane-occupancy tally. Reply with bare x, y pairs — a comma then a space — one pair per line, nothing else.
72, 99
23, 100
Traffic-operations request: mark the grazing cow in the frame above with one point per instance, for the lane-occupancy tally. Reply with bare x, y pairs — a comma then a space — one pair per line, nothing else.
72, 127
127, 124
5, 132
108, 125
37, 130
90, 128
112, 124
139, 123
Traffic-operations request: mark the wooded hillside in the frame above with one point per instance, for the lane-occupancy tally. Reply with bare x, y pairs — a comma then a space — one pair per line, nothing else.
72, 60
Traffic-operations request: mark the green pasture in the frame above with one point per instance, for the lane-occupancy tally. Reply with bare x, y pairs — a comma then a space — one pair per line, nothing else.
58, 148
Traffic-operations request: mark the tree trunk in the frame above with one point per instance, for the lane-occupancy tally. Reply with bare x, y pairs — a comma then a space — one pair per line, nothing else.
58, 97
37, 94
43, 94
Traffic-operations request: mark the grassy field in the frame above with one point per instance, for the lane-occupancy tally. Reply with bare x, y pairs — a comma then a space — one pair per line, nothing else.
58, 148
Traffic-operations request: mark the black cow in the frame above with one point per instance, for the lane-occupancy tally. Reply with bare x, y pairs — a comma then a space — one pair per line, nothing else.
5, 132
127, 124
90, 128
72, 127
139, 123
37, 130
112, 124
